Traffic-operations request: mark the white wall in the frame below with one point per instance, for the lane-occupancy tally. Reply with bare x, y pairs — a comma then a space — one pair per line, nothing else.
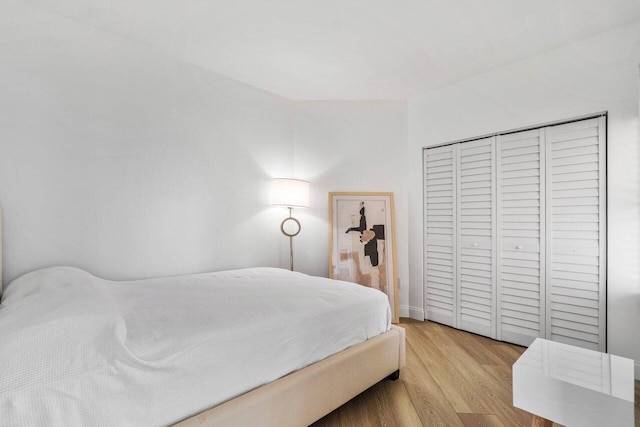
122, 161
597, 74
127, 163
350, 146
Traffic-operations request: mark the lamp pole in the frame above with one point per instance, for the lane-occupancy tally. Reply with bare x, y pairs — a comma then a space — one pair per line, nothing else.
290, 235
291, 243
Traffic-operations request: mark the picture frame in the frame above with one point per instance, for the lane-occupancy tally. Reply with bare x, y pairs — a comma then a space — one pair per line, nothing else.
362, 247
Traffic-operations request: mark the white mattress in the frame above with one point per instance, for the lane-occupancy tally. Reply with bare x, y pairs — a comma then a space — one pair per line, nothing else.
79, 350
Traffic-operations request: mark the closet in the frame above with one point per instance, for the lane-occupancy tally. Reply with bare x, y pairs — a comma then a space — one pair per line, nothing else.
515, 239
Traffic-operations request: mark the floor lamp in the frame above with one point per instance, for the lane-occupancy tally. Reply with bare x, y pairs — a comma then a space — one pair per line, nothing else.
290, 193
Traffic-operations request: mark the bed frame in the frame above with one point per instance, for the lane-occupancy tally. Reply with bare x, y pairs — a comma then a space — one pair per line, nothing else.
305, 396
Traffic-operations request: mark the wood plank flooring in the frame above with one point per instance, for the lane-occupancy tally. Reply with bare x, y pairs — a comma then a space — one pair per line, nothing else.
452, 378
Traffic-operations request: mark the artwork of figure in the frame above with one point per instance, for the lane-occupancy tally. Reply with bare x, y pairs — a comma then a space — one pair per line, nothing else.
362, 242
366, 259
369, 237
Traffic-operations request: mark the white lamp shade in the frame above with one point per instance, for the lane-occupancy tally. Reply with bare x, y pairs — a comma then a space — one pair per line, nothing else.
293, 193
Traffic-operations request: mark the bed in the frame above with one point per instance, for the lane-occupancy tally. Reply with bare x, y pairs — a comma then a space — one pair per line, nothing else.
74, 346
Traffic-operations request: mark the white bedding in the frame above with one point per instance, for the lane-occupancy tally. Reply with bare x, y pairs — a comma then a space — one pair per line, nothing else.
79, 350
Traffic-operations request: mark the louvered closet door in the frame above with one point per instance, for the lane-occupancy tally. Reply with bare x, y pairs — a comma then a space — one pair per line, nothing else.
476, 237
520, 228
576, 238
440, 241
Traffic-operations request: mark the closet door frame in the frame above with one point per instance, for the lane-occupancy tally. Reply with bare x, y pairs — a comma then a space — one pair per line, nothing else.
545, 218
604, 222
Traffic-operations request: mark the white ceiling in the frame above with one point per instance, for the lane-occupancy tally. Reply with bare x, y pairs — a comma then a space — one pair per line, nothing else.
350, 49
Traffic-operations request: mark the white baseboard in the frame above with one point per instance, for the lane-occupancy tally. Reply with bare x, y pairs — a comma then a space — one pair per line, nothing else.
404, 311
637, 370
416, 313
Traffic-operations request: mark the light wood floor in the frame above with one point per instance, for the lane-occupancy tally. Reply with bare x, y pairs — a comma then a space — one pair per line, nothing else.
452, 378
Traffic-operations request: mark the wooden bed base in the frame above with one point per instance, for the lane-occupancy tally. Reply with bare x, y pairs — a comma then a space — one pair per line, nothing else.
305, 396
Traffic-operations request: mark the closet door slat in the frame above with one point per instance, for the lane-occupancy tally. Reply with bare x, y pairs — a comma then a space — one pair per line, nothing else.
476, 273
576, 241
440, 263
520, 236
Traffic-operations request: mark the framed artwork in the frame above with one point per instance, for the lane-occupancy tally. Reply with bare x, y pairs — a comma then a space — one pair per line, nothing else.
362, 247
